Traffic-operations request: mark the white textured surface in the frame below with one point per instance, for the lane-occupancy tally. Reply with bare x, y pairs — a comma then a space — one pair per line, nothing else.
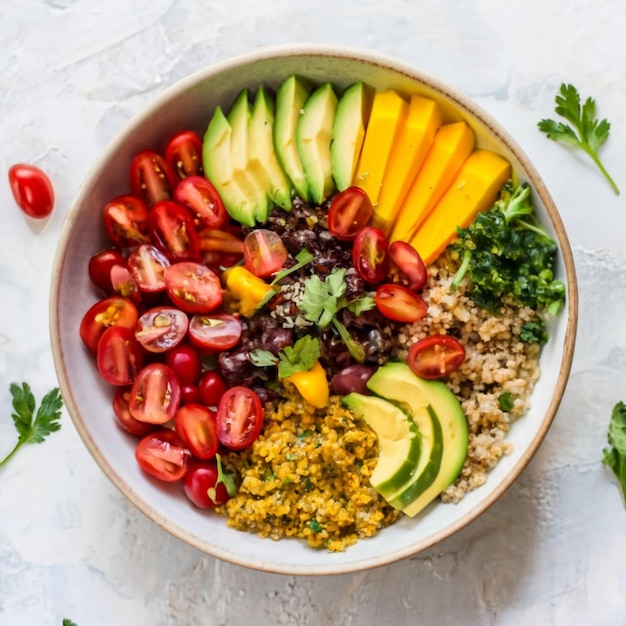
551, 551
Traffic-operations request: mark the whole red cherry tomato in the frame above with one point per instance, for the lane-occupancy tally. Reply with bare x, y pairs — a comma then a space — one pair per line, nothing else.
183, 154
435, 356
32, 190
150, 178
212, 387
350, 210
203, 486
400, 304
186, 363
369, 254
163, 455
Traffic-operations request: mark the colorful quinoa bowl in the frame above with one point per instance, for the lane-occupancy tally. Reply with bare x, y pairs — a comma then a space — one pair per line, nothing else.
333, 312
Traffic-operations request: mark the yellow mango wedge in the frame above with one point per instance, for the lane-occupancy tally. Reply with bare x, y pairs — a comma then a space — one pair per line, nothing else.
452, 144
388, 113
409, 149
474, 189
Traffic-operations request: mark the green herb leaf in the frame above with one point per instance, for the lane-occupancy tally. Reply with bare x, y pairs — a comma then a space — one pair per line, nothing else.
224, 478
68, 622
615, 457
300, 357
263, 358
322, 297
588, 133
354, 348
33, 427
315, 526
506, 401
366, 303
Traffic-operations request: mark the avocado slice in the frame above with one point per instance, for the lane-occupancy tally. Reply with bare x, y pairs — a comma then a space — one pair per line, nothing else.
291, 96
313, 136
218, 168
262, 161
353, 110
398, 440
397, 383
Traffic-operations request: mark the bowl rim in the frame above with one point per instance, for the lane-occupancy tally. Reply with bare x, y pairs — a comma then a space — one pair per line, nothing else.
453, 95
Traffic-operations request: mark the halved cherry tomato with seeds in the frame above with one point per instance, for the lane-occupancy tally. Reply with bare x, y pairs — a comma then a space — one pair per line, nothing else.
196, 425
123, 282
126, 221
32, 190
193, 287
369, 254
202, 199
111, 311
400, 304
174, 231
163, 455
264, 252
435, 356
123, 416
119, 357
239, 418
161, 328
350, 210
155, 394
183, 154
407, 266
147, 265
213, 240
100, 265
150, 178
214, 332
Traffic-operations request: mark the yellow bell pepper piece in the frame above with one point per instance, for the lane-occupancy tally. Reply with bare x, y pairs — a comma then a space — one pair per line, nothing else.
312, 385
244, 290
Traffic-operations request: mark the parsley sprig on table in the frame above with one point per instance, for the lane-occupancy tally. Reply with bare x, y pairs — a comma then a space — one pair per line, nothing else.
586, 131
615, 457
33, 427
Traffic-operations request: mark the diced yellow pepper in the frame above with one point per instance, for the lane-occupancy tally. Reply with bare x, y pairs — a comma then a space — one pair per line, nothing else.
389, 111
452, 144
244, 290
409, 149
312, 385
474, 189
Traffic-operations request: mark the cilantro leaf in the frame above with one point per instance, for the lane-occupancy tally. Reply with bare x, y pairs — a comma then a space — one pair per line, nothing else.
297, 358
33, 427
68, 622
263, 358
615, 457
588, 133
365, 303
322, 297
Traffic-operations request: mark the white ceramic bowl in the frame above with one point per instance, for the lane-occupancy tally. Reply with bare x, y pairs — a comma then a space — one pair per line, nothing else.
188, 104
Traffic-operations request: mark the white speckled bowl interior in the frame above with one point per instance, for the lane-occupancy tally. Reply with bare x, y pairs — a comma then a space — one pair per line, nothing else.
189, 104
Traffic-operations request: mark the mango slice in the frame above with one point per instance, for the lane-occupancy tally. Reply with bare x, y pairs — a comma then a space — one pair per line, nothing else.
407, 155
388, 113
474, 189
452, 144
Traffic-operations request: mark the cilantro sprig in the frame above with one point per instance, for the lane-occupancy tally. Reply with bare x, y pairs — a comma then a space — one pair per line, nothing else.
31, 426
586, 131
615, 456
297, 358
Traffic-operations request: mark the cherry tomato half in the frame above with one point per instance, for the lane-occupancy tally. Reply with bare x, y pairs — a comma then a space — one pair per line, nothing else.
111, 311
400, 304
350, 210
202, 199
161, 328
193, 287
369, 254
123, 416
212, 387
126, 221
264, 252
407, 266
183, 154
214, 332
147, 265
32, 190
186, 363
150, 178
155, 394
123, 282
163, 455
196, 425
119, 356
201, 485
100, 265
239, 418
435, 356
174, 231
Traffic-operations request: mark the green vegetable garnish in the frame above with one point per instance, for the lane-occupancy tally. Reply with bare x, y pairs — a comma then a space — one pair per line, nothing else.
588, 133
31, 427
68, 622
224, 478
615, 457
508, 255
534, 332
506, 401
315, 526
297, 358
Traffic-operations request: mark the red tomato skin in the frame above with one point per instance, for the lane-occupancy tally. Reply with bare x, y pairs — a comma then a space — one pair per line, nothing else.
183, 154
162, 455
264, 252
173, 231
239, 418
196, 426
435, 356
123, 416
201, 477
155, 394
369, 254
215, 332
150, 178
407, 265
186, 363
100, 265
32, 190
161, 328
212, 387
400, 304
350, 210
193, 287
125, 220
119, 357
203, 200
189, 394
110, 311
